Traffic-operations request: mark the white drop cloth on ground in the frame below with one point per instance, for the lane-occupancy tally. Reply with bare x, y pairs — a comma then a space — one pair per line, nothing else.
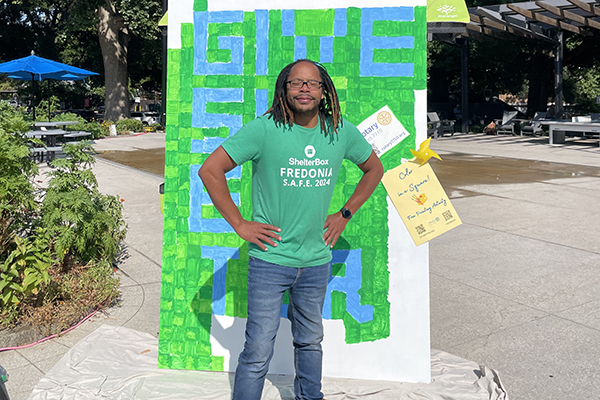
120, 363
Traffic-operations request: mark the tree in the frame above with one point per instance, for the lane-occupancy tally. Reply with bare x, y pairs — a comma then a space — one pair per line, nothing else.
92, 34
113, 35
582, 62
118, 20
519, 66
25, 26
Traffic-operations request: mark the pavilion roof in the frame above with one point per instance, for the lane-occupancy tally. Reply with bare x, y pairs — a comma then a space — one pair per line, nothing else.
538, 20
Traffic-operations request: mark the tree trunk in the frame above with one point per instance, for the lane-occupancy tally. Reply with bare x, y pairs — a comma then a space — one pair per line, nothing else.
114, 39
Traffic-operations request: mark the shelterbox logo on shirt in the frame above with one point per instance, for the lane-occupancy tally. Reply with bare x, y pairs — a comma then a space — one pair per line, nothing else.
310, 151
307, 177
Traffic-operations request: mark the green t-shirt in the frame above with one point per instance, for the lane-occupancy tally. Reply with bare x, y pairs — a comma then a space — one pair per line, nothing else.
294, 170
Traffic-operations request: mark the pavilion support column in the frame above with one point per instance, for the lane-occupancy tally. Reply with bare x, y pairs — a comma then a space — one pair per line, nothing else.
464, 83
558, 76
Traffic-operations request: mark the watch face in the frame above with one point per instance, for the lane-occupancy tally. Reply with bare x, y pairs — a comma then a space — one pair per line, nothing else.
346, 213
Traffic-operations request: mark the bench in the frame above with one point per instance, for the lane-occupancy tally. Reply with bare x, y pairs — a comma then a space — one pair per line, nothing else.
38, 153
437, 127
77, 134
559, 129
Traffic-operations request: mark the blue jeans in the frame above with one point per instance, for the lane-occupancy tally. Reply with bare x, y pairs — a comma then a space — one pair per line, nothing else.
267, 283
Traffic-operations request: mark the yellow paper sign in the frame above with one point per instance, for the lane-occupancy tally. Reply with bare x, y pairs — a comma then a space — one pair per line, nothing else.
420, 200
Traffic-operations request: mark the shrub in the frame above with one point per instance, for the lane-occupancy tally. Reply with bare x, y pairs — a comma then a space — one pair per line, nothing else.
96, 130
93, 127
80, 223
54, 259
129, 125
24, 273
23, 262
105, 127
69, 116
42, 112
17, 170
11, 121
157, 127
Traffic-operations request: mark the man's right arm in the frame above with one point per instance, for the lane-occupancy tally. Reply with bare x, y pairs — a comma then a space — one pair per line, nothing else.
212, 174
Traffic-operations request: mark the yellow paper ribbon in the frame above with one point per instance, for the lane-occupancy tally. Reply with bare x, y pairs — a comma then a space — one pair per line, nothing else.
425, 153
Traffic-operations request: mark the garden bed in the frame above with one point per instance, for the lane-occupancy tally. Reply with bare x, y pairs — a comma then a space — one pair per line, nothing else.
57, 243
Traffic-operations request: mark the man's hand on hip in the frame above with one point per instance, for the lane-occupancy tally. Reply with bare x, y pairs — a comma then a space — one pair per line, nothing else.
335, 225
212, 174
257, 233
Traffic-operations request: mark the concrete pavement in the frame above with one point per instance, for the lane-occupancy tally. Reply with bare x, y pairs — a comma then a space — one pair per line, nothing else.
140, 270
515, 288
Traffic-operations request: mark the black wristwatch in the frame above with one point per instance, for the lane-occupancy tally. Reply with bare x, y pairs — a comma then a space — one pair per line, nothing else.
346, 213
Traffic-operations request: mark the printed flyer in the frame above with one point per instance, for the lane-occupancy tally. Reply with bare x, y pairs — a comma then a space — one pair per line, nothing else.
383, 130
420, 200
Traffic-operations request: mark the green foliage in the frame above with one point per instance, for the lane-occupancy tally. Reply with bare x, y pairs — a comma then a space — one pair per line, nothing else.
155, 127
17, 194
11, 121
69, 116
96, 129
582, 87
5, 83
99, 92
105, 126
23, 273
93, 127
80, 223
145, 47
45, 108
500, 66
129, 125
67, 31
573, 42
54, 259
22, 264
142, 17
521, 67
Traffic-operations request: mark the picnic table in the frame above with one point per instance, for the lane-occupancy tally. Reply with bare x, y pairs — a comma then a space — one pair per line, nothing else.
558, 129
47, 136
54, 124
50, 137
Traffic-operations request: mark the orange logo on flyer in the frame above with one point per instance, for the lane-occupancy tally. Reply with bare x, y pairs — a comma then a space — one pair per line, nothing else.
384, 118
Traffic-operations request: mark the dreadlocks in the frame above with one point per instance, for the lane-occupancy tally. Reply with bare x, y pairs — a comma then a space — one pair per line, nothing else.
329, 107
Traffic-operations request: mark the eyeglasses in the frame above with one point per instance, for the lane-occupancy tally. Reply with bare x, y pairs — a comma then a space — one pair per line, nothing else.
298, 83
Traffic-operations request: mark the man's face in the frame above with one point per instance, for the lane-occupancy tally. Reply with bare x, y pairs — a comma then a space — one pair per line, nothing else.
304, 100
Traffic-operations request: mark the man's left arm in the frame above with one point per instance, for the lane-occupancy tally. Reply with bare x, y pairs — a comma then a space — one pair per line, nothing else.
372, 174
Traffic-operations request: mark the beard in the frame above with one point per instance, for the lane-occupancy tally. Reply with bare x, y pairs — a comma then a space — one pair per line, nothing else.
303, 108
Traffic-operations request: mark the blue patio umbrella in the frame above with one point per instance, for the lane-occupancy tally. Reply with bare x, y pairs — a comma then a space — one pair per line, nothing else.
34, 68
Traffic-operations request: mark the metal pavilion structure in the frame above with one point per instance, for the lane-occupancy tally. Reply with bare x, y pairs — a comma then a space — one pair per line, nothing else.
536, 20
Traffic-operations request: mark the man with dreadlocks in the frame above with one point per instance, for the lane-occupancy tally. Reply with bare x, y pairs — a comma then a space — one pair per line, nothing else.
296, 150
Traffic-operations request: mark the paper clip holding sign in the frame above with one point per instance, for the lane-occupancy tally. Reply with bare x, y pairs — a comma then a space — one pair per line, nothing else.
419, 197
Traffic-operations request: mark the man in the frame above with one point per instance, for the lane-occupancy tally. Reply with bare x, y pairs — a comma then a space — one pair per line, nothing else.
296, 149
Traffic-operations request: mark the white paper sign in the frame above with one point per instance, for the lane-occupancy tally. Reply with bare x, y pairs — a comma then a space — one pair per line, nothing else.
382, 130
